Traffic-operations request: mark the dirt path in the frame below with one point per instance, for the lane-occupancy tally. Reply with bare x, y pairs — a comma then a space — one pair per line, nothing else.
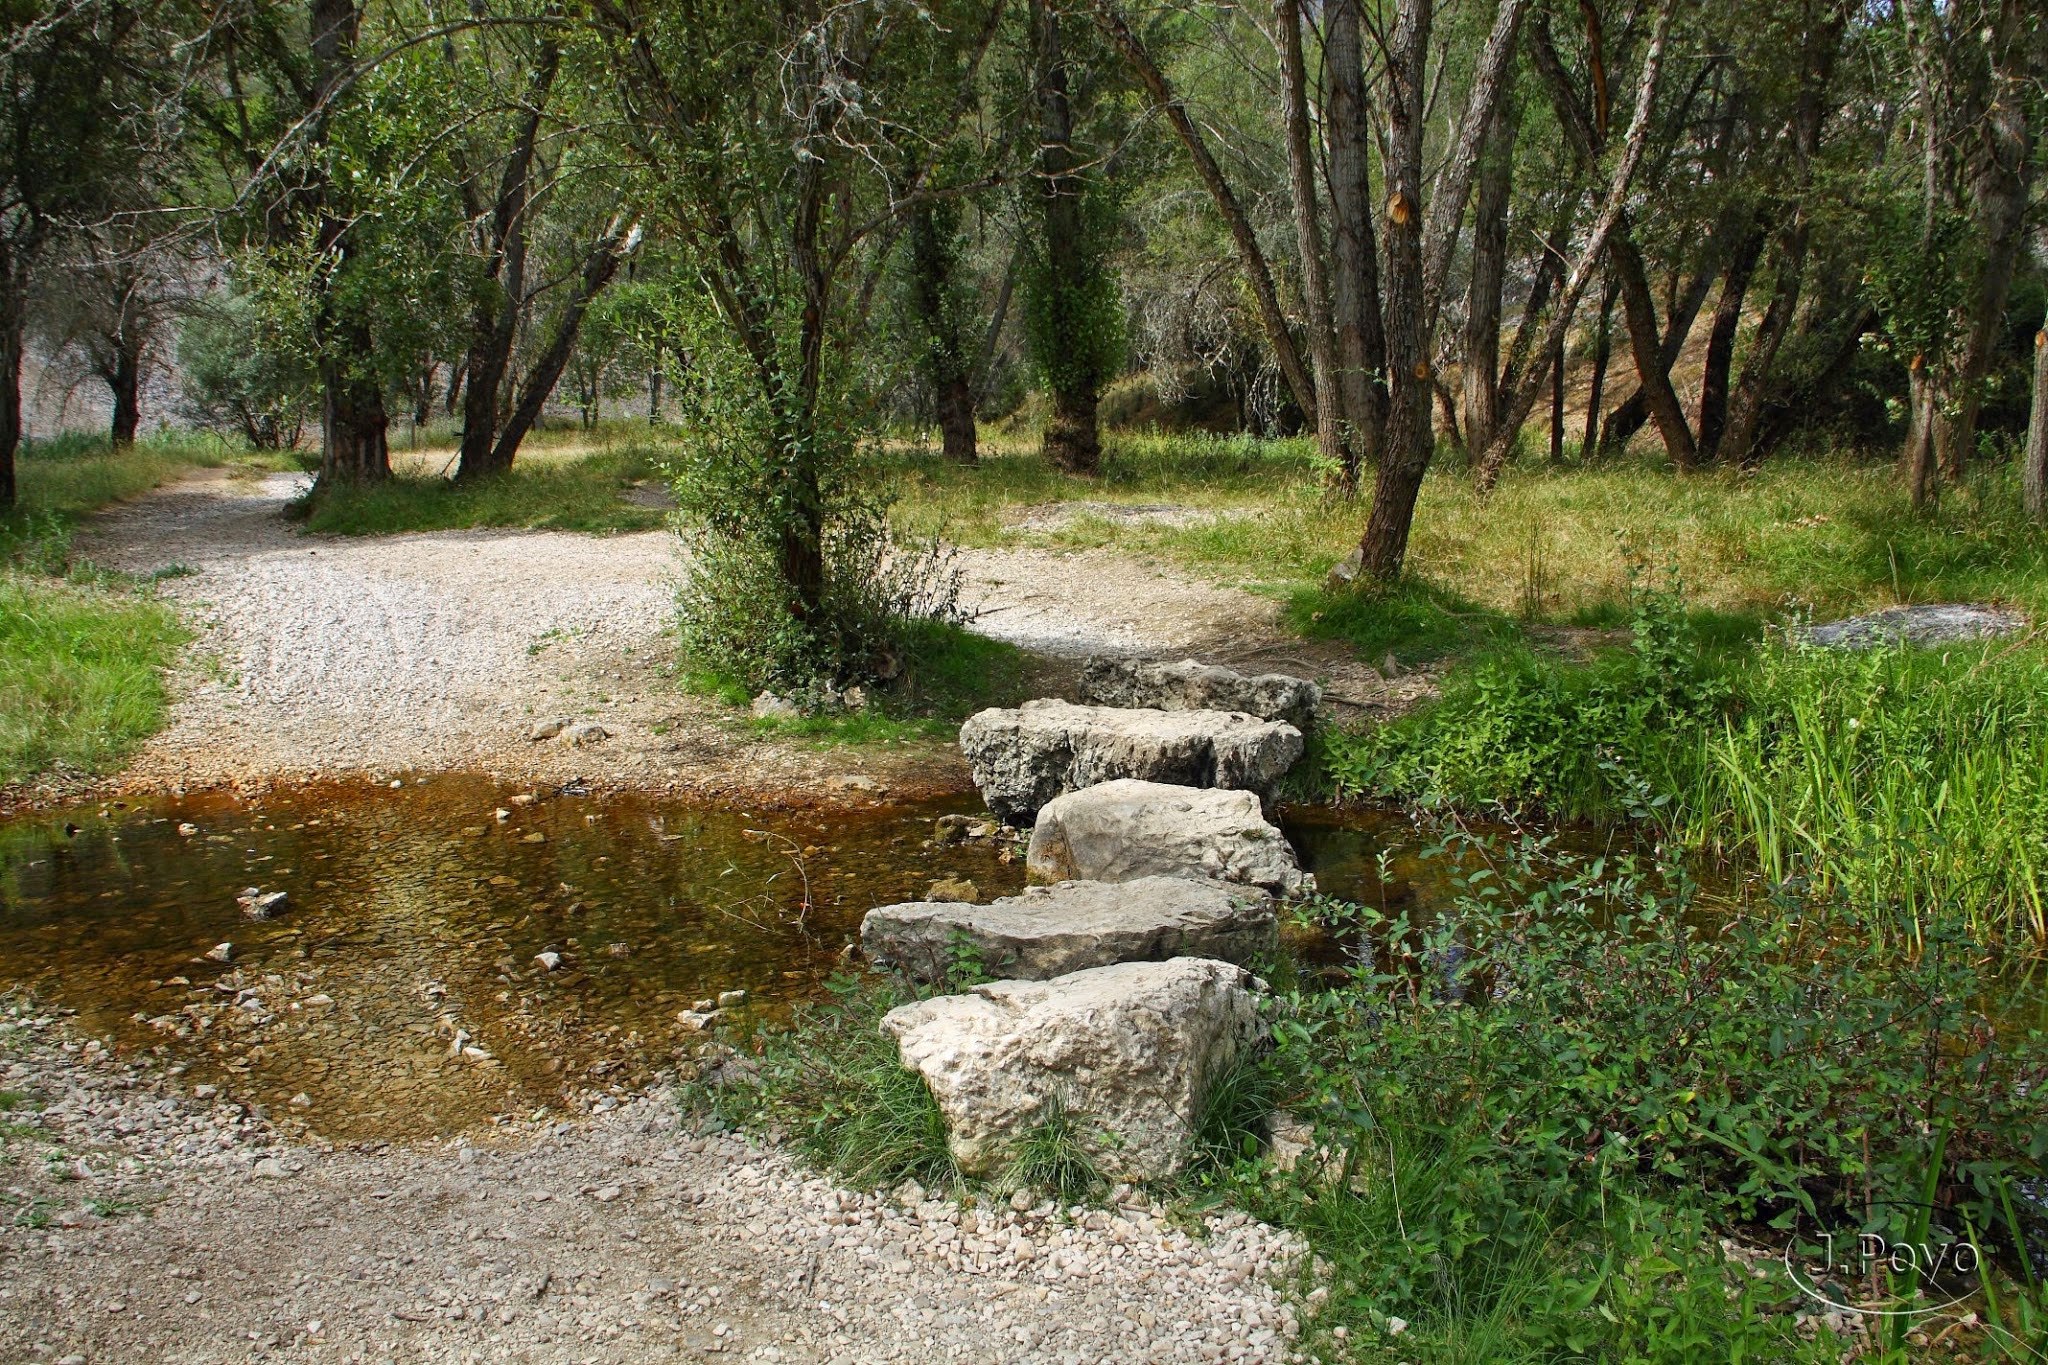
325, 655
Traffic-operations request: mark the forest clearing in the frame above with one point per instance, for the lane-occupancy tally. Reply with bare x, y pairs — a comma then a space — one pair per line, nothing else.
1041, 680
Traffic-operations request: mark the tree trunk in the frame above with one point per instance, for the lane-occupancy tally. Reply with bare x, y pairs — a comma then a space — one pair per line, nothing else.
1653, 378
1721, 341
353, 426
598, 268
1073, 436
13, 316
1384, 547
944, 359
1917, 458
1557, 405
1361, 346
1308, 237
124, 384
1480, 390
956, 419
2034, 463
1602, 344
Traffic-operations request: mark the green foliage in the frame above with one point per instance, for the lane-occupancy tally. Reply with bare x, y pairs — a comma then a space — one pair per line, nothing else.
236, 382
833, 1080
1053, 1156
1073, 308
583, 493
1535, 1111
948, 673
79, 675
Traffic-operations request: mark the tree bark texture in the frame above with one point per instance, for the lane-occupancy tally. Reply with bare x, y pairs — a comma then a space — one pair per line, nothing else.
1361, 346
1308, 236
1073, 436
1653, 376
1721, 340
943, 355
1480, 386
2034, 461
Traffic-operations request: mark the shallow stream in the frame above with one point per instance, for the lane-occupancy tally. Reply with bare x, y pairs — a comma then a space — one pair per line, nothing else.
397, 993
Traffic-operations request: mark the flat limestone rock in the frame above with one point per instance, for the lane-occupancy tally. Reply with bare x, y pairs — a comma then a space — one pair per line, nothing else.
1053, 930
1127, 1052
1123, 830
1928, 625
1192, 686
1025, 757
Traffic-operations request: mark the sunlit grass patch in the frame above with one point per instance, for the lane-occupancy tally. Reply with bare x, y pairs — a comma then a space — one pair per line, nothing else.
591, 492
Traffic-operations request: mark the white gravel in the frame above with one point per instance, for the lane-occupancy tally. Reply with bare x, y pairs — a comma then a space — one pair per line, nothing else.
147, 1226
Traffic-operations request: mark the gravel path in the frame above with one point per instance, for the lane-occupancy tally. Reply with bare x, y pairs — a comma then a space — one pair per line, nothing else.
326, 655
147, 1225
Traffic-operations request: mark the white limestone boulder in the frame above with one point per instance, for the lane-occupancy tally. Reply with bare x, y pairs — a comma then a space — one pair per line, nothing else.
1053, 930
1123, 830
1025, 757
1128, 1053
1191, 686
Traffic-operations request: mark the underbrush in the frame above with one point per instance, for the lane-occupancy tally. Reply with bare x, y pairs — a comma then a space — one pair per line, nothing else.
1577, 1118
585, 493
1915, 781
82, 650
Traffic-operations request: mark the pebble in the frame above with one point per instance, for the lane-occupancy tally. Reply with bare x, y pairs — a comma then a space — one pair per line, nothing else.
220, 952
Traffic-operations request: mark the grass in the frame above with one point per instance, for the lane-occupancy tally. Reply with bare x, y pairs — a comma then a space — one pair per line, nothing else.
572, 491
1826, 536
82, 651
948, 674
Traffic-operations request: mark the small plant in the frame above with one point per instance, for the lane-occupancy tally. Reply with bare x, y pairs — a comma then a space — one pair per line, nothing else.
1054, 1156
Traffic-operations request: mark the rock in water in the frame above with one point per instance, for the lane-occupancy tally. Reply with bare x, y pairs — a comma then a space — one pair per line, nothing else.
1930, 625
1129, 1053
1192, 686
220, 952
1053, 930
1024, 758
1123, 830
260, 904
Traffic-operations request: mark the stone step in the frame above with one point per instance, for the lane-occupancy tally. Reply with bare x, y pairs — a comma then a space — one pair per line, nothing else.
1053, 930
1127, 1053
1123, 830
1191, 686
1025, 757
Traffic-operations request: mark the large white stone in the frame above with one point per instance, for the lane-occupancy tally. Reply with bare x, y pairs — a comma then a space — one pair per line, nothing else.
1129, 1052
1924, 626
1123, 830
1025, 757
1192, 686
1053, 930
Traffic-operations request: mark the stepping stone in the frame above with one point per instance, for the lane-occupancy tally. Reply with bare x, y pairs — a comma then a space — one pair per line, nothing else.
1053, 930
1123, 830
1128, 1053
1025, 757
1929, 625
1191, 686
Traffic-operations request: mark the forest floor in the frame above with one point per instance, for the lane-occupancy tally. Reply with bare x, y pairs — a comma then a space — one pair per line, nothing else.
323, 655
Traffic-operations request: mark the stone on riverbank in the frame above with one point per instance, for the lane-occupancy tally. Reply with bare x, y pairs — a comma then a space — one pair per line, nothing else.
1127, 1052
1053, 930
1191, 686
1921, 626
1023, 758
1123, 830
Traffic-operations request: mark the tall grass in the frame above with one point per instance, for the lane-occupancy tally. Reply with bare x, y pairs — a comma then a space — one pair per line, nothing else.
1912, 779
569, 492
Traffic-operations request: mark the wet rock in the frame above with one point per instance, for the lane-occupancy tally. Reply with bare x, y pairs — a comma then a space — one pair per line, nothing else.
187, 830
1129, 1051
585, 733
953, 829
953, 889
1123, 830
1927, 625
547, 961
547, 729
1023, 758
1192, 686
731, 999
220, 952
768, 706
696, 1021
259, 904
1053, 930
